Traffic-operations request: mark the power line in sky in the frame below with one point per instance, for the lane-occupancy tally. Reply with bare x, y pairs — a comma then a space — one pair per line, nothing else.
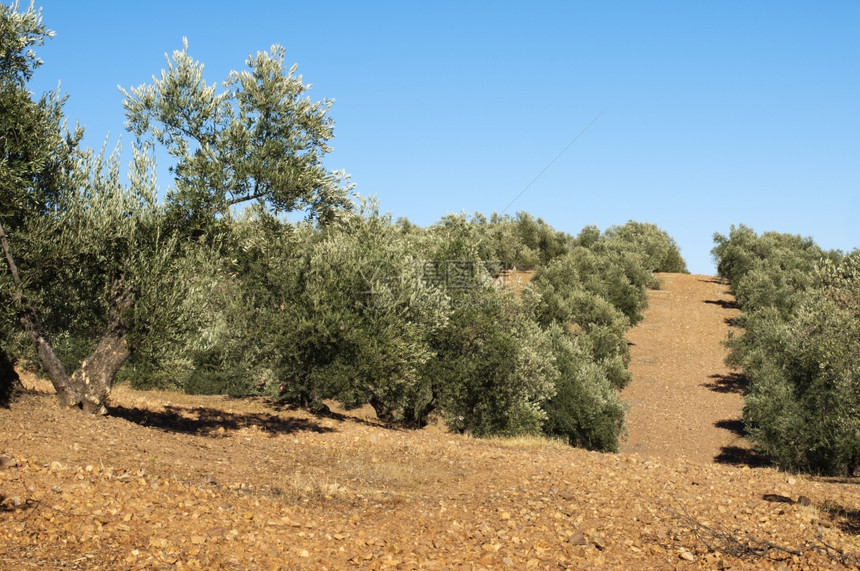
558, 156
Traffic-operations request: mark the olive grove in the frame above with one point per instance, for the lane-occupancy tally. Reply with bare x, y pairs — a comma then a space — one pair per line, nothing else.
209, 287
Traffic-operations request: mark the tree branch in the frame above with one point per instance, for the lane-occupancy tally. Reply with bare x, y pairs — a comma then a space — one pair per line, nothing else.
235, 201
30, 320
9, 259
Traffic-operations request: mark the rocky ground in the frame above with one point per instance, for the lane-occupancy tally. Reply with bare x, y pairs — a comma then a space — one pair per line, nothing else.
168, 481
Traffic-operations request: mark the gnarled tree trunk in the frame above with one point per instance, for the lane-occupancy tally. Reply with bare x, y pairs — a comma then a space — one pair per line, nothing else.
91, 384
94, 378
66, 393
30, 320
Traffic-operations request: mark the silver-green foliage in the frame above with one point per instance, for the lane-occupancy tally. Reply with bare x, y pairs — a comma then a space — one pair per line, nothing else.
573, 293
104, 262
339, 312
799, 348
35, 149
368, 294
657, 250
34, 145
103, 231
803, 407
259, 138
493, 368
586, 410
768, 270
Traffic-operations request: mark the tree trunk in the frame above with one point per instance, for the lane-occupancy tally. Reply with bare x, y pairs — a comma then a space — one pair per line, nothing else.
27, 315
94, 378
382, 410
10, 384
66, 393
90, 385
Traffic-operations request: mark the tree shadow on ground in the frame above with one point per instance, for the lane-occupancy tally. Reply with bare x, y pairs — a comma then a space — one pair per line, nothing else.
724, 303
730, 383
740, 456
846, 519
735, 426
350, 414
202, 421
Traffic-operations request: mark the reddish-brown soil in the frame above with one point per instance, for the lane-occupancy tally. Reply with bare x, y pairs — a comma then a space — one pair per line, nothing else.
684, 401
168, 481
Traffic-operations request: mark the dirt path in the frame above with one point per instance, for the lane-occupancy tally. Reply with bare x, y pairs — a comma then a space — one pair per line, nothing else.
684, 401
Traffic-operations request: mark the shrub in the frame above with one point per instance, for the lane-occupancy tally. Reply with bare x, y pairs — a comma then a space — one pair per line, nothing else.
599, 325
586, 410
805, 377
457, 238
355, 320
509, 247
657, 249
493, 369
581, 269
524, 242
799, 349
767, 270
410, 320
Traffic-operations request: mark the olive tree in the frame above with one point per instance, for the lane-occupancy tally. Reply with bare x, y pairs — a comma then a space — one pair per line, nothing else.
800, 313
341, 312
260, 138
101, 272
36, 154
92, 258
81, 248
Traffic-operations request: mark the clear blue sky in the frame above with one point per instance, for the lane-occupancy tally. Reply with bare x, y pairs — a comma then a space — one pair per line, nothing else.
714, 113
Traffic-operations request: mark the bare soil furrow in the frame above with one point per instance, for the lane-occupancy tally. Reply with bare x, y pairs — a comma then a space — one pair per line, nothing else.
682, 401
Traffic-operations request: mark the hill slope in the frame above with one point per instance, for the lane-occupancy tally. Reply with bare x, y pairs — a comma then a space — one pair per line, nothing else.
684, 401
169, 481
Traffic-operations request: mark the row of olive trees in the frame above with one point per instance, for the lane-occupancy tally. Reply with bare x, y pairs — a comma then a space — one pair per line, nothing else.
210, 289
800, 347
414, 322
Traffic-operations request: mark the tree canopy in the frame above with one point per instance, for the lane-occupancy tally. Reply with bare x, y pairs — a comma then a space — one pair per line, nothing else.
259, 138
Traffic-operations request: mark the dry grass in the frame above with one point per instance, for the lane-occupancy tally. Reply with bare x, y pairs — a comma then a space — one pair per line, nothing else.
529, 442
